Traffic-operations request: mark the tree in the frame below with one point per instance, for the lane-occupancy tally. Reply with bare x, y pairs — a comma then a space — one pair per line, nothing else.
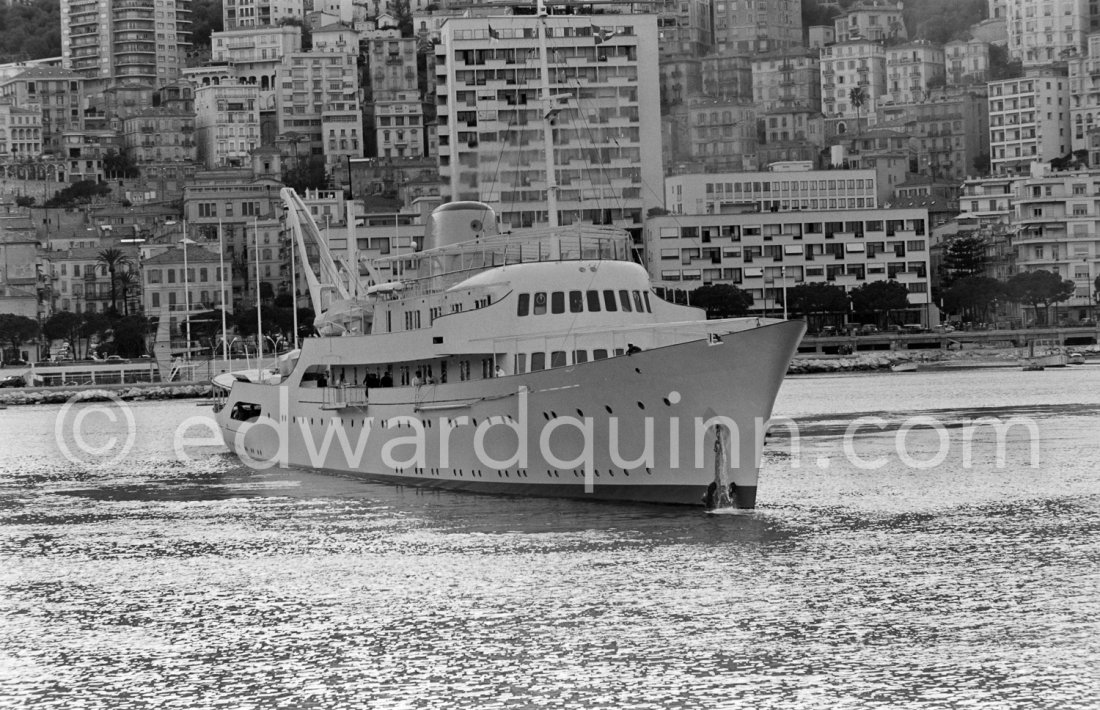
981, 163
964, 256
972, 296
113, 258
79, 193
1001, 66
403, 14
16, 330
310, 176
880, 298
818, 298
1039, 288
63, 325
129, 335
722, 300
119, 165
30, 30
128, 283
206, 17
858, 97
24, 201
94, 325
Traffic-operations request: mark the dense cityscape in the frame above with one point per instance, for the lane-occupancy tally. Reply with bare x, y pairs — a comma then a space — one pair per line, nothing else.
849, 172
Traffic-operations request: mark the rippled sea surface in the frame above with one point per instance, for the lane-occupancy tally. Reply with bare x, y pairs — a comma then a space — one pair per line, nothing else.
924, 563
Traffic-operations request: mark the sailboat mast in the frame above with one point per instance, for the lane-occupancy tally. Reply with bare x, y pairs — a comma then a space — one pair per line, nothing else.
548, 114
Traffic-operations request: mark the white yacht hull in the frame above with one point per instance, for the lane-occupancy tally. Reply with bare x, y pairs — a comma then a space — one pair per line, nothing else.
628, 428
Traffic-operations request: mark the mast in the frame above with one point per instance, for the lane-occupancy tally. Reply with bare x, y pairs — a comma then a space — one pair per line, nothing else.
548, 114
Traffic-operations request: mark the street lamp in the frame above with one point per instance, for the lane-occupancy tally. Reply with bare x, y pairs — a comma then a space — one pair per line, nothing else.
186, 295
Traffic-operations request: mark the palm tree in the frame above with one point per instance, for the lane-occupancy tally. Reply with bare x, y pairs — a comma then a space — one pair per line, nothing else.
113, 258
858, 97
128, 282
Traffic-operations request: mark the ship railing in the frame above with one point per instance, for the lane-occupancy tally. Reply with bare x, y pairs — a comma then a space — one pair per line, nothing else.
438, 269
645, 336
343, 396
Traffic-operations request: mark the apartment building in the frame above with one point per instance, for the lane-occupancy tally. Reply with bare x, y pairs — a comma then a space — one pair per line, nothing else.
260, 13
1056, 216
143, 41
765, 253
20, 131
912, 69
874, 20
56, 93
606, 113
1084, 92
949, 129
227, 124
1029, 119
1041, 33
966, 62
685, 29
786, 80
752, 27
854, 64
785, 188
184, 285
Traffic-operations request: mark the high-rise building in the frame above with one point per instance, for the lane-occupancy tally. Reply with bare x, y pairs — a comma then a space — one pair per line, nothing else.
1042, 33
754, 26
787, 80
1029, 119
605, 107
126, 41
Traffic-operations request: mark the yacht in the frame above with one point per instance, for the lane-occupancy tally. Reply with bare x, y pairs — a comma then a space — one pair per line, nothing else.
537, 363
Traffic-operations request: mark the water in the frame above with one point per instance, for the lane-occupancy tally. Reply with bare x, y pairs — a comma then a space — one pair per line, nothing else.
160, 584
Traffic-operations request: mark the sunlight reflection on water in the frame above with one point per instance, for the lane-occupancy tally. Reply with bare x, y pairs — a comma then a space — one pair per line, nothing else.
205, 585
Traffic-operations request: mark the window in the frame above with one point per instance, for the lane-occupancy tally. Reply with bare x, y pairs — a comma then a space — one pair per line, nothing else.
521, 363
580, 356
609, 301
557, 302
624, 300
576, 302
538, 361
557, 358
599, 354
540, 304
593, 301
523, 304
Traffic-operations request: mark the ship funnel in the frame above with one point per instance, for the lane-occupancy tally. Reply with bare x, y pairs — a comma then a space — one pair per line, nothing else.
456, 222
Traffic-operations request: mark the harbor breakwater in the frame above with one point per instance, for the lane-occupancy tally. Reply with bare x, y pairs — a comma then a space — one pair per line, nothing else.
135, 393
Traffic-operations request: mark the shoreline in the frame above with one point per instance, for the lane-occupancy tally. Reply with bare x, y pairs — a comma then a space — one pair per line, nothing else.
101, 393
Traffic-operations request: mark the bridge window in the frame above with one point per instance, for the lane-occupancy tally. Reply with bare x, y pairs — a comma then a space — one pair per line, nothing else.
244, 411
557, 302
538, 361
540, 304
523, 305
609, 301
624, 298
638, 306
593, 301
576, 302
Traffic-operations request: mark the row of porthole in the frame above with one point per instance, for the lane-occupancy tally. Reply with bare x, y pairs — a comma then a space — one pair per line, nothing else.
550, 473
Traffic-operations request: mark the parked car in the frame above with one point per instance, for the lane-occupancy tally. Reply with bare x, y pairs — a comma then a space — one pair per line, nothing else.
868, 329
116, 358
13, 381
